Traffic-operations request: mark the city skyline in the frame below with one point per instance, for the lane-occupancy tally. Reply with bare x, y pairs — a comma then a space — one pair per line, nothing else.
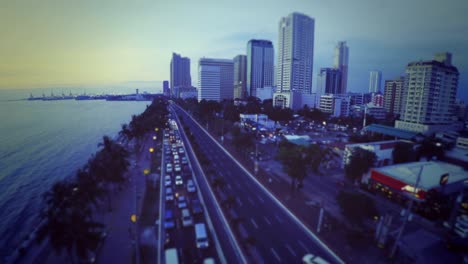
138, 44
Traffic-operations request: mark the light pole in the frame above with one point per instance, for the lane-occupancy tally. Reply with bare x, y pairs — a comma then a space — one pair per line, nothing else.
407, 216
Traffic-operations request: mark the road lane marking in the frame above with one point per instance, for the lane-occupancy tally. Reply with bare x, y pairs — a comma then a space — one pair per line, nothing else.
291, 250
302, 245
239, 201
266, 220
254, 223
260, 198
275, 254
278, 218
250, 201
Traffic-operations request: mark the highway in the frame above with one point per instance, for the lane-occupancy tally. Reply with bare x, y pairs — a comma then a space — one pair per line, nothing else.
278, 237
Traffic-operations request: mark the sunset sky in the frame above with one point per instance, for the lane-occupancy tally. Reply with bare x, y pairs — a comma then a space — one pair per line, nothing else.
90, 43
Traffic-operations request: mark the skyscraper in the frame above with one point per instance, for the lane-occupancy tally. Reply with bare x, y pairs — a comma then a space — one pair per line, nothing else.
393, 95
429, 95
180, 73
166, 90
341, 63
328, 81
374, 81
260, 61
295, 53
240, 77
215, 79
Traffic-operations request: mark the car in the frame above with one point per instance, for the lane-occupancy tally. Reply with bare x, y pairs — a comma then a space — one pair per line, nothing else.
187, 219
197, 208
178, 180
169, 194
181, 202
181, 150
168, 168
313, 259
191, 186
184, 160
201, 236
169, 219
177, 168
167, 181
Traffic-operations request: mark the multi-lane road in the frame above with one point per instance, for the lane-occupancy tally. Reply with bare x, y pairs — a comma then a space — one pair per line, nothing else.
275, 234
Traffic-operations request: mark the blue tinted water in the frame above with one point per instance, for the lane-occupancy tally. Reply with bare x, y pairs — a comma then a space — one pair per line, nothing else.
42, 142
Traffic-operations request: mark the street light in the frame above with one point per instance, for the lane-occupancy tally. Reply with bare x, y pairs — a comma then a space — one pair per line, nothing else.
151, 150
154, 137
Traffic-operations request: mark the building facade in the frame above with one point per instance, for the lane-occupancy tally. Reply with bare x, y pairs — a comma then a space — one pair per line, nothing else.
336, 105
166, 90
260, 61
429, 95
378, 99
375, 79
180, 73
295, 53
240, 77
341, 63
393, 95
329, 81
225, 78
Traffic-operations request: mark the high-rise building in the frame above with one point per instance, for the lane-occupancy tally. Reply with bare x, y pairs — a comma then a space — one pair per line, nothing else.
215, 79
328, 81
240, 76
295, 53
374, 81
393, 95
429, 95
335, 104
166, 90
260, 61
341, 63
180, 73
378, 99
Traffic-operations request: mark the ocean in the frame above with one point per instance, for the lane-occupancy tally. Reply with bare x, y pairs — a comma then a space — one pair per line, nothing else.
42, 142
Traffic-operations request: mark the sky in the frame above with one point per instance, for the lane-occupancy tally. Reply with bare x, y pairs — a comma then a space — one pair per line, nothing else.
96, 43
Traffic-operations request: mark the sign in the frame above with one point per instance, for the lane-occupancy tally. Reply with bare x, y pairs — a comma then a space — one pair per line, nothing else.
444, 179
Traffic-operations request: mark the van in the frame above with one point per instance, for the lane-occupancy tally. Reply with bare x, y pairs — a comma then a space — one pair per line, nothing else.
201, 236
171, 256
187, 219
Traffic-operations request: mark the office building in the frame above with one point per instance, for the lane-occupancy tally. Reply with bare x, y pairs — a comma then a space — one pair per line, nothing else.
180, 73
215, 79
334, 104
166, 90
378, 99
429, 95
341, 63
260, 61
393, 95
375, 78
240, 77
329, 81
295, 53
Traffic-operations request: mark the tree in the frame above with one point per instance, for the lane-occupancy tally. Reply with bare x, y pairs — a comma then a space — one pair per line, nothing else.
356, 207
294, 160
360, 161
403, 152
316, 156
430, 147
68, 223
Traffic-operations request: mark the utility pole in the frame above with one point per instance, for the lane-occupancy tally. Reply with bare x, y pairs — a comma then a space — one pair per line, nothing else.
410, 206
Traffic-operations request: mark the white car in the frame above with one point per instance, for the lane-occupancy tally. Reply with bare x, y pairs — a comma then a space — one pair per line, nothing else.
168, 168
187, 219
178, 180
191, 187
169, 194
177, 168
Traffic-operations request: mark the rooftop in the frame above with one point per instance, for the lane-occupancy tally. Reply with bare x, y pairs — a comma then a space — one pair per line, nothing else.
298, 140
430, 175
391, 131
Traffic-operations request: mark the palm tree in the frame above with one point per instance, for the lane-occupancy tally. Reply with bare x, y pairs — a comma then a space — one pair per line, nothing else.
89, 189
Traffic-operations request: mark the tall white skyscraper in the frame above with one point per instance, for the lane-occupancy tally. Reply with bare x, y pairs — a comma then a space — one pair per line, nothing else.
260, 61
429, 95
215, 79
375, 79
341, 62
295, 53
